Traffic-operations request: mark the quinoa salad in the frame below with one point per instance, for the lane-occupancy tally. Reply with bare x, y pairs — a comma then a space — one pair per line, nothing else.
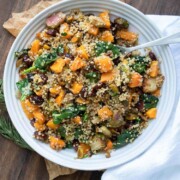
79, 91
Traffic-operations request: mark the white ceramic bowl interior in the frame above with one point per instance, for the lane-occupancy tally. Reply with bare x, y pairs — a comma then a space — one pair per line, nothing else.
147, 31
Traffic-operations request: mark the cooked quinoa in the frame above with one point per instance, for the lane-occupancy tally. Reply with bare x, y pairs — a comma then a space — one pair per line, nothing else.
78, 90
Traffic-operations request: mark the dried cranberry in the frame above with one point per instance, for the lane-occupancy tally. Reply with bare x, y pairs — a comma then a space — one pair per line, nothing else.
36, 99
70, 56
75, 144
90, 14
84, 92
52, 32
30, 77
27, 60
42, 136
152, 55
116, 61
32, 121
140, 105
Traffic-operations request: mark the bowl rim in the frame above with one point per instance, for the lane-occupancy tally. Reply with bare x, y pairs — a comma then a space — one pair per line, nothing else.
6, 70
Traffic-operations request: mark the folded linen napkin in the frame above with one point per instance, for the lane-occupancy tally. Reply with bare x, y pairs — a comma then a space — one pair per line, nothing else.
162, 160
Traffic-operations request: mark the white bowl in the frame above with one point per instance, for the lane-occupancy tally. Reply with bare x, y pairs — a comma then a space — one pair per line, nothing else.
147, 31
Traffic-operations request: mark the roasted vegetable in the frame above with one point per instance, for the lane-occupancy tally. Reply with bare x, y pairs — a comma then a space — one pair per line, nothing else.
136, 80
150, 85
122, 23
151, 113
97, 143
105, 113
83, 150
55, 20
25, 88
56, 143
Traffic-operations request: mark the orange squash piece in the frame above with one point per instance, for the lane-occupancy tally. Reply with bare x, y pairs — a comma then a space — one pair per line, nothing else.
93, 30
154, 68
80, 100
105, 113
77, 120
39, 116
55, 90
82, 52
104, 63
109, 145
135, 80
107, 77
83, 149
51, 125
76, 88
126, 35
78, 63
105, 17
60, 98
29, 106
65, 31
28, 113
107, 37
35, 46
157, 93
56, 143
39, 127
151, 113
58, 65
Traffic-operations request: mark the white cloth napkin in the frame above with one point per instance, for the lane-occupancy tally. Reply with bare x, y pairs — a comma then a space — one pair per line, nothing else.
162, 160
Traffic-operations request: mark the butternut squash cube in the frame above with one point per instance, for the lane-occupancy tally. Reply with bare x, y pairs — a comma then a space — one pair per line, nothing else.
154, 68
60, 98
35, 46
151, 113
76, 88
93, 30
51, 125
135, 80
56, 143
104, 63
78, 63
82, 52
58, 65
105, 17
126, 35
39, 116
105, 113
107, 37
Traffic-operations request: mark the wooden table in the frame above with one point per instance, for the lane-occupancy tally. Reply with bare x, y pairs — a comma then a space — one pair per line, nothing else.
17, 163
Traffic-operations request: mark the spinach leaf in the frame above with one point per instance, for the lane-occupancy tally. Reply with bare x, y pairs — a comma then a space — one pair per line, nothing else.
103, 47
140, 65
24, 88
93, 76
77, 133
126, 137
149, 101
68, 113
62, 131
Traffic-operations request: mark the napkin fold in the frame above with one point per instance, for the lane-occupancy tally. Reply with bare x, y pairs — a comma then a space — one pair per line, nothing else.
162, 160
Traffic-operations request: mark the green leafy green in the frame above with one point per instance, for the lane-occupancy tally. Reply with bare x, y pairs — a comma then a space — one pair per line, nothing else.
62, 131
68, 113
1, 92
85, 117
93, 76
21, 53
64, 34
103, 47
126, 137
77, 133
43, 61
24, 87
149, 101
140, 65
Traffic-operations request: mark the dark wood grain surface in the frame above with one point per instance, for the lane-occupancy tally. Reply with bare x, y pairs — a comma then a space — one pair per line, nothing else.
21, 164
